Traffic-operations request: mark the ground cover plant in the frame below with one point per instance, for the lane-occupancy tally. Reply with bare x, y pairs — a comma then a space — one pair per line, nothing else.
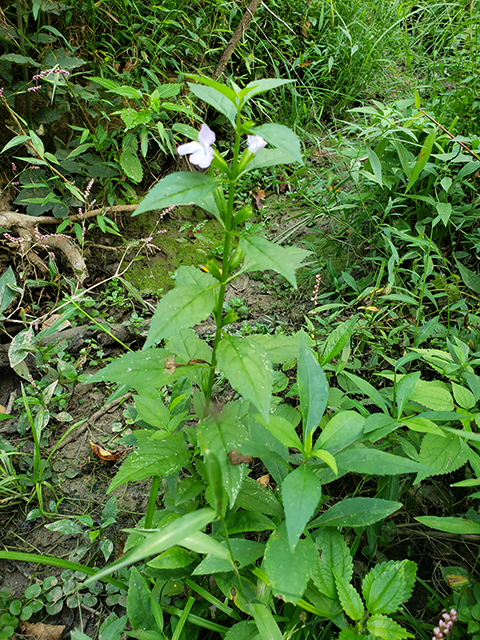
298, 471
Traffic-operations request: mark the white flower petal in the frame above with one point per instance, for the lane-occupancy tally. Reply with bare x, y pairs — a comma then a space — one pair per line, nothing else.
190, 147
206, 136
255, 143
202, 158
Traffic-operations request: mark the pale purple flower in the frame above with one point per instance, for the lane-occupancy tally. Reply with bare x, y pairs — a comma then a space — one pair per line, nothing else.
445, 625
255, 143
201, 152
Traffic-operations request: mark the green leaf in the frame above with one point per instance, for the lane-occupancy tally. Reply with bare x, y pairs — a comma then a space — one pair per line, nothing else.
283, 430
8, 289
266, 624
180, 308
434, 395
350, 598
131, 165
261, 254
382, 627
337, 340
206, 544
14, 142
349, 634
154, 457
343, 429
112, 627
248, 370
220, 98
458, 526
301, 493
367, 389
279, 348
214, 474
152, 411
183, 187
373, 461
67, 527
282, 138
37, 143
245, 552
375, 165
141, 369
423, 425
334, 555
260, 86
404, 390
356, 512
141, 604
245, 630
254, 497
156, 542
269, 158
242, 521
312, 387
16, 58
463, 397
388, 584
469, 277
422, 159
173, 558
289, 572
441, 454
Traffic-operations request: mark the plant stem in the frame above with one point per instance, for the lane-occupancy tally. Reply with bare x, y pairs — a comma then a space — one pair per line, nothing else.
152, 500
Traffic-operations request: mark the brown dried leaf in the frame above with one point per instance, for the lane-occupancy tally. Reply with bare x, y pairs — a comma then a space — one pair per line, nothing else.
264, 480
42, 631
258, 196
103, 454
53, 318
238, 458
170, 364
306, 26
2, 409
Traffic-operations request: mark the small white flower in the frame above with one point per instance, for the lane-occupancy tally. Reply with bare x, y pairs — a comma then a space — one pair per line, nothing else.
255, 143
201, 152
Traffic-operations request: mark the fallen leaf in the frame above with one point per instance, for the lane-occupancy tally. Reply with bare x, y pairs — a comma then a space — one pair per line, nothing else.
42, 631
52, 319
264, 480
258, 196
2, 409
170, 364
103, 454
238, 458
306, 26
454, 581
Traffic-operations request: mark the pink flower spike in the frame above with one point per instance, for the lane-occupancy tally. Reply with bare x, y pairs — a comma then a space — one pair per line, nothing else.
255, 143
201, 152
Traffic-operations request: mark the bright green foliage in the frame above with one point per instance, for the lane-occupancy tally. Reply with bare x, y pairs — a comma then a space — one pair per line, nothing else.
349, 598
301, 493
387, 585
334, 555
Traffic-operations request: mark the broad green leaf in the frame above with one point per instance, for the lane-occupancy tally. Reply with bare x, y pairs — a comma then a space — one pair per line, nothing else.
16, 58
221, 433
458, 526
220, 98
283, 430
337, 340
127, 92
423, 425
110, 85
375, 165
245, 630
21, 345
187, 345
245, 552
324, 606
441, 454
37, 143
248, 370
153, 457
180, 308
279, 348
434, 395
173, 558
14, 142
141, 603
388, 584
423, 157
349, 634
301, 493
362, 459
261, 255
8, 289
312, 387
404, 390
356, 512
214, 475
260, 86
341, 431
367, 389
156, 542
327, 458
254, 497
183, 187
264, 445
206, 544
266, 624
140, 369
282, 138
269, 158
350, 598
386, 628
463, 397
289, 572
469, 277
242, 521
334, 555
67, 527
112, 627
152, 411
